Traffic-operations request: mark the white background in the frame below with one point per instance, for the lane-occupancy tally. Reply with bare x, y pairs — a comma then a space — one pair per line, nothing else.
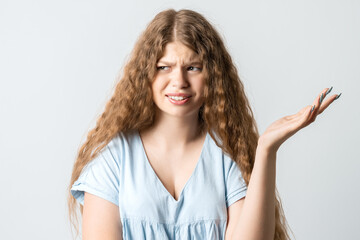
58, 66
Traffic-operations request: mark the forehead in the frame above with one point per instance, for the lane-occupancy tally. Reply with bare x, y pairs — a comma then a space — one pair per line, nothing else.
178, 52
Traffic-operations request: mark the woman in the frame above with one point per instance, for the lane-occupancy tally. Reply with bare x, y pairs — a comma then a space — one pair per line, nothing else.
176, 153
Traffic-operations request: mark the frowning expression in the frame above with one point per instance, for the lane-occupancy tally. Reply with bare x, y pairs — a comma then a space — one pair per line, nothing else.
179, 82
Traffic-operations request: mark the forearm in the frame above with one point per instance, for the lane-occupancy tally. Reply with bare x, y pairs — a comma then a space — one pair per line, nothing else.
257, 219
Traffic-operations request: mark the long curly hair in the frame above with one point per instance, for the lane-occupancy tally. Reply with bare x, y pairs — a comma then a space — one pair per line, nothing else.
225, 114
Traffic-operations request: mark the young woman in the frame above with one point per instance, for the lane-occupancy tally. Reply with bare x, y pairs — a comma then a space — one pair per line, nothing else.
176, 153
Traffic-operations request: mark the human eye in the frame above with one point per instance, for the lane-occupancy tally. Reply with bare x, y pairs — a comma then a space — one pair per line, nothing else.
162, 67
192, 68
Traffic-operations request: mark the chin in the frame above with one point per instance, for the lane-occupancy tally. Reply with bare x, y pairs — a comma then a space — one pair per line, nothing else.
182, 114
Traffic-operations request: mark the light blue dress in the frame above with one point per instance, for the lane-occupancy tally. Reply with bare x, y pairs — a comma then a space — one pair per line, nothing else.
122, 174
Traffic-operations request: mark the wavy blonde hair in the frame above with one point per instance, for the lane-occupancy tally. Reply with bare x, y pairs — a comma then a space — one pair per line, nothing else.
226, 111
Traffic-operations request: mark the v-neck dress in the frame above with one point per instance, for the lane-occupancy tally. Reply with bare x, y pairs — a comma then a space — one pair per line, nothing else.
122, 174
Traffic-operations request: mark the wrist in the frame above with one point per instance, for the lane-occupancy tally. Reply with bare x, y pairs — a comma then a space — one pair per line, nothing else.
266, 150
264, 146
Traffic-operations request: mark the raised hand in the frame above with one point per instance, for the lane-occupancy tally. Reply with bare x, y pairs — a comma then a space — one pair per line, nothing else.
282, 129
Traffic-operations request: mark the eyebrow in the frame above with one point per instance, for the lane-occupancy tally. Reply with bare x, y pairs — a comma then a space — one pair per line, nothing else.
172, 64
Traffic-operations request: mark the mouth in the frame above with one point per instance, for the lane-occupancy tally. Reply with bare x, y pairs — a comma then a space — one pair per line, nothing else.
177, 98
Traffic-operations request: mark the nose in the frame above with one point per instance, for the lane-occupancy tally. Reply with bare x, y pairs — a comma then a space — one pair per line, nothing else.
179, 79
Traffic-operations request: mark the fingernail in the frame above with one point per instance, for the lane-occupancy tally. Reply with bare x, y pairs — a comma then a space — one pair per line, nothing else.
338, 96
328, 91
312, 109
321, 97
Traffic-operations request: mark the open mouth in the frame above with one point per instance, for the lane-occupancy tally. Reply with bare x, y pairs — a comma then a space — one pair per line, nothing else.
178, 98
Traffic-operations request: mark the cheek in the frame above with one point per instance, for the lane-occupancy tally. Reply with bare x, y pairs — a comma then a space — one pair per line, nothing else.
199, 85
158, 88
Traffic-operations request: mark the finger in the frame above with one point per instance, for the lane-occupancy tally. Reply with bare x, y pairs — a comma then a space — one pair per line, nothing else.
327, 103
295, 117
309, 113
307, 116
317, 102
302, 118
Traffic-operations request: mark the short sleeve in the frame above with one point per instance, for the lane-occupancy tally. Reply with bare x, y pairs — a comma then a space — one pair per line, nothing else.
235, 185
100, 177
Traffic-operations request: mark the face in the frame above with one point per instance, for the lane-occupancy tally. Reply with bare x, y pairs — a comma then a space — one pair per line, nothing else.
179, 82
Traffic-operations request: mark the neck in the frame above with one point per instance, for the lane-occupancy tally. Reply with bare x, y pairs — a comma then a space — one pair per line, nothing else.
174, 132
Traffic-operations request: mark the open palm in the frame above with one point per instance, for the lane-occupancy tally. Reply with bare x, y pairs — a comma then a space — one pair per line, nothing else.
282, 129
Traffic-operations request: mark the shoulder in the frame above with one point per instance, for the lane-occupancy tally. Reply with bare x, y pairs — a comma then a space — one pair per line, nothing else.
102, 175
120, 140
120, 143
114, 152
218, 152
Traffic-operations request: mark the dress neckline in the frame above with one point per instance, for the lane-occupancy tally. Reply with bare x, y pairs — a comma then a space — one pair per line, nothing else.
158, 179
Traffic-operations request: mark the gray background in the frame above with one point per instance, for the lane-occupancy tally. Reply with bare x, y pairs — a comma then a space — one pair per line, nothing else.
58, 65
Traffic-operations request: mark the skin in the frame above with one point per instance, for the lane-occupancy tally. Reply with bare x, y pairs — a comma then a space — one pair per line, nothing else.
177, 73
104, 224
181, 75
173, 144
252, 217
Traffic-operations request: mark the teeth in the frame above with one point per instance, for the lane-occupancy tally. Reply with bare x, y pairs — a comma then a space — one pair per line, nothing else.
177, 98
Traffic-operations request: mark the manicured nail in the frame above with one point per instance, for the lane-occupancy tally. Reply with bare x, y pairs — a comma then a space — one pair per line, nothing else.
312, 109
321, 97
337, 96
328, 91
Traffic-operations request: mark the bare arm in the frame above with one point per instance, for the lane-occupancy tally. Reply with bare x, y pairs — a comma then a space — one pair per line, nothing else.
101, 219
254, 216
